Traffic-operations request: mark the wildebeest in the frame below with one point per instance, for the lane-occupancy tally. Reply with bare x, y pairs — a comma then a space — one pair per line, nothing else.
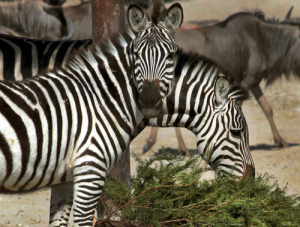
81, 17
252, 50
31, 19
7, 31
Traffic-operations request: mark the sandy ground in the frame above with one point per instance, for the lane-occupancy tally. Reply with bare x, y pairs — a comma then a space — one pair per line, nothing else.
284, 96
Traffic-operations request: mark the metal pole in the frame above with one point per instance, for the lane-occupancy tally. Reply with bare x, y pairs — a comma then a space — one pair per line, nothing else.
108, 19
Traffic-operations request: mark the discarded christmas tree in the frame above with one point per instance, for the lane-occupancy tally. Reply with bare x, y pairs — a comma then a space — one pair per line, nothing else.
167, 191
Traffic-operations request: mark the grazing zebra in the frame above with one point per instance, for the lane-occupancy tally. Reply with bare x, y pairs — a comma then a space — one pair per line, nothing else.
23, 58
66, 128
204, 100
252, 47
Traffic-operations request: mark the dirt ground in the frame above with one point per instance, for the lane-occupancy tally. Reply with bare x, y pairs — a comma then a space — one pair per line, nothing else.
284, 96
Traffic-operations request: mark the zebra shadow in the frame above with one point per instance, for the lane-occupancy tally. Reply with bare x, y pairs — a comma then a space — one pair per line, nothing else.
263, 146
170, 150
269, 147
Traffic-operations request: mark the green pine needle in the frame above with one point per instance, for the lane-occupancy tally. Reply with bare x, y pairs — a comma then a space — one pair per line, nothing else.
167, 191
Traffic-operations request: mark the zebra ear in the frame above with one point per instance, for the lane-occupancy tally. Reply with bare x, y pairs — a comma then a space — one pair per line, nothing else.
174, 17
221, 90
136, 18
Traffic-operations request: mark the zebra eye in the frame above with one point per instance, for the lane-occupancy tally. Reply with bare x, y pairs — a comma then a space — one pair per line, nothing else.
170, 57
235, 133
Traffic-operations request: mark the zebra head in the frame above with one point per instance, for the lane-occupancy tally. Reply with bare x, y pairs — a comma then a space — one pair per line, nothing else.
153, 53
225, 139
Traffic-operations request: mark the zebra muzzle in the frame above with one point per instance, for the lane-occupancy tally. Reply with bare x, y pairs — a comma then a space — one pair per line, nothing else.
150, 110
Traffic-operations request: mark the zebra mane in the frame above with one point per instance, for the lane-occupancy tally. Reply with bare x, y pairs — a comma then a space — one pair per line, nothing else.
156, 12
192, 59
108, 50
109, 45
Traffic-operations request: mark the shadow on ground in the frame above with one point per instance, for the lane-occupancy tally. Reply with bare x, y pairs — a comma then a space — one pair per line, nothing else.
169, 150
263, 146
269, 147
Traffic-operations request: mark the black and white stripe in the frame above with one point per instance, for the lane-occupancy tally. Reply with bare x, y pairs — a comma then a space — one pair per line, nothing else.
191, 104
159, 49
70, 125
67, 127
218, 122
22, 58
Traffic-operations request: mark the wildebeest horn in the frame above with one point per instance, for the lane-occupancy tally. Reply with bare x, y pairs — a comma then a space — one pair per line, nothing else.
288, 15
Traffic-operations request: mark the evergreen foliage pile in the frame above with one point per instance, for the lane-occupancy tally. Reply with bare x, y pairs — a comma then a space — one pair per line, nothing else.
167, 191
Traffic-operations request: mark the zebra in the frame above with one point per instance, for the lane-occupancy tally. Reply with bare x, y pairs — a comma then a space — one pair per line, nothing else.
23, 58
246, 146
66, 128
205, 100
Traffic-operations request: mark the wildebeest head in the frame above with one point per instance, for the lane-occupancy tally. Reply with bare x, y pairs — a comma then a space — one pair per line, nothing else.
287, 45
292, 65
153, 52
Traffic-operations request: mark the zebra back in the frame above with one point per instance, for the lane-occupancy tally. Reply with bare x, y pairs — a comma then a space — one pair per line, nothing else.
68, 125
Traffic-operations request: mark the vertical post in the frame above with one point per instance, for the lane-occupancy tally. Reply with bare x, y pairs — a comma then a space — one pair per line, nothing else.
108, 19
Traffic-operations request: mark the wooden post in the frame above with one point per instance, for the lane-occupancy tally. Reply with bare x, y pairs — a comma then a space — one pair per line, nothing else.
108, 19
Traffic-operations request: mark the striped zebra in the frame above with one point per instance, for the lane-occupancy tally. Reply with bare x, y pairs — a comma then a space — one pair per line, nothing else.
205, 101
23, 58
66, 128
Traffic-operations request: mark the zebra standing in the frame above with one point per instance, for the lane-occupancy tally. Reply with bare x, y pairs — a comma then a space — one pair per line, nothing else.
66, 128
23, 58
204, 100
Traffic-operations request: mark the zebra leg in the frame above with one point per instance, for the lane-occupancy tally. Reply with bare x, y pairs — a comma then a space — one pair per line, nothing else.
61, 204
181, 145
268, 111
89, 177
151, 140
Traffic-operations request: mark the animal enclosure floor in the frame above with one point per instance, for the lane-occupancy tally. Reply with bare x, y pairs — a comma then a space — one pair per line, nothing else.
32, 210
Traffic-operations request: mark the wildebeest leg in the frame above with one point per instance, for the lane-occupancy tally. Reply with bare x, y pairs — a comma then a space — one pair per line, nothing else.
151, 140
181, 145
61, 204
257, 92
